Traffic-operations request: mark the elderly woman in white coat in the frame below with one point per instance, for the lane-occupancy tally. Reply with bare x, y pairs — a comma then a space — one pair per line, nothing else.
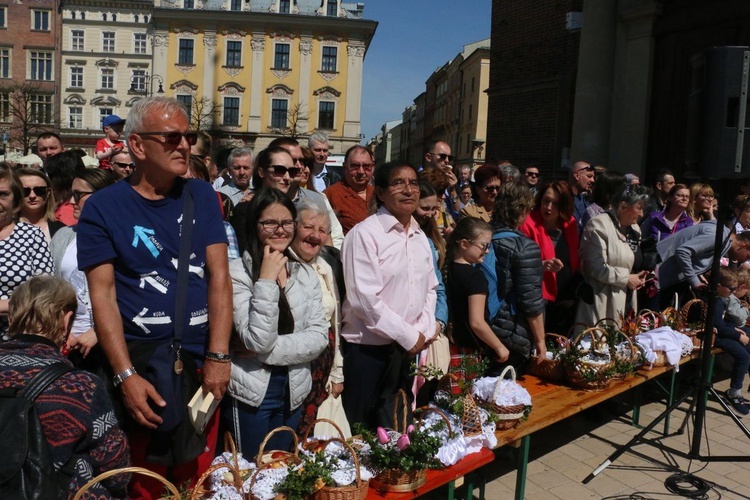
609, 252
313, 229
279, 327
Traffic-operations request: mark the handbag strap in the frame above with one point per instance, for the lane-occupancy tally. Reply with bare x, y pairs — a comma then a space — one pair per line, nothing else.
43, 379
183, 263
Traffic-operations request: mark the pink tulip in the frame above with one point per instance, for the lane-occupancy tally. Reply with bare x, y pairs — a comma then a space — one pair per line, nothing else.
383, 436
403, 442
410, 429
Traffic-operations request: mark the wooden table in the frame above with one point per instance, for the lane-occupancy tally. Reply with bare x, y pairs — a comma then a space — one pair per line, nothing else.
553, 403
437, 478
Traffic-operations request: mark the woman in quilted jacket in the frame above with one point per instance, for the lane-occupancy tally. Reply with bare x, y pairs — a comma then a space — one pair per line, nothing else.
279, 326
518, 266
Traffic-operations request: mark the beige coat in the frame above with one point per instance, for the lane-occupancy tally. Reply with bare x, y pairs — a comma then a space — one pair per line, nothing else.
606, 263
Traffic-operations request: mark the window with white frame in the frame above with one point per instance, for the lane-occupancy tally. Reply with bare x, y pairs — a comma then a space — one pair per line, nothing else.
76, 39
279, 113
284, 6
231, 111
108, 41
281, 56
75, 117
4, 108
40, 20
5, 62
235, 4
330, 54
326, 112
139, 43
187, 101
40, 67
138, 80
108, 78
185, 51
234, 53
76, 76
40, 108
333, 8
3, 16
105, 112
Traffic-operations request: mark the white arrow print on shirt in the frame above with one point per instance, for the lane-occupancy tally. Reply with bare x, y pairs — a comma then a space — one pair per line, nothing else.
193, 269
199, 320
148, 278
142, 321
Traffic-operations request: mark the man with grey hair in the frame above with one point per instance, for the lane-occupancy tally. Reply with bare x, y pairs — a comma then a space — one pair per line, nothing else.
322, 175
240, 165
130, 236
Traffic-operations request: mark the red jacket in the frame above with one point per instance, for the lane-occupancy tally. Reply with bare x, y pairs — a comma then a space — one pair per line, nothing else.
533, 227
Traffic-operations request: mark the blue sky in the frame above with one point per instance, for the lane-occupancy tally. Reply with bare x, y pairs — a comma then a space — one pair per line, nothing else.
413, 39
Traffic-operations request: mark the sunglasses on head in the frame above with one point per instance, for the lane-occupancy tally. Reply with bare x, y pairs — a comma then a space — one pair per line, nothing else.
40, 191
280, 170
174, 138
588, 168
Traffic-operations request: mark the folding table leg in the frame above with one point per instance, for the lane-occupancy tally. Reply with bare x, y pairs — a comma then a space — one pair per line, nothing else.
522, 462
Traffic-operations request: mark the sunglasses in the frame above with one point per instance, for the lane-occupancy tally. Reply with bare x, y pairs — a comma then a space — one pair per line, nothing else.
443, 156
77, 195
730, 288
124, 164
532, 174
491, 188
174, 138
40, 191
588, 168
484, 246
280, 170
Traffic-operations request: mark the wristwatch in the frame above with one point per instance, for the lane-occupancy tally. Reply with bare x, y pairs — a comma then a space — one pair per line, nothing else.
120, 377
442, 326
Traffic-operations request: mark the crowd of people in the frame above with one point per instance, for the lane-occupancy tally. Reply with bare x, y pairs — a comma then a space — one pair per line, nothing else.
272, 280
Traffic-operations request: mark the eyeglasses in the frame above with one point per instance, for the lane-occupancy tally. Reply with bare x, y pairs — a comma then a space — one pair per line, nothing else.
271, 226
174, 138
399, 185
484, 246
123, 164
40, 191
532, 174
280, 170
356, 166
77, 195
491, 188
730, 288
443, 156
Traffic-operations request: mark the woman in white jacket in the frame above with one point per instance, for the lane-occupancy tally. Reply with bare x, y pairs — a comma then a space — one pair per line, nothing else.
279, 326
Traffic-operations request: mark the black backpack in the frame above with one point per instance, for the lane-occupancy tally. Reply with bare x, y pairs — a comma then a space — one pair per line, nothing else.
26, 471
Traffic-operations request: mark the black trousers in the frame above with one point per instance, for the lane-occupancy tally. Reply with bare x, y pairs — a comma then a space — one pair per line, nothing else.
373, 376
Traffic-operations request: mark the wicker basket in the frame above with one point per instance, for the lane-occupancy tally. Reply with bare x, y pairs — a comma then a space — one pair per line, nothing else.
308, 443
290, 458
670, 317
426, 410
648, 320
507, 416
631, 357
683, 324
659, 361
174, 492
550, 369
585, 374
199, 491
355, 491
471, 419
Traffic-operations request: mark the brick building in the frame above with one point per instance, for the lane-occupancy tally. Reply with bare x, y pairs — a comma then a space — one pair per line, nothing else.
29, 70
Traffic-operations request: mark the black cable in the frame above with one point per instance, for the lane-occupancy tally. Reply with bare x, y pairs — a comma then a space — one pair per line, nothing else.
687, 485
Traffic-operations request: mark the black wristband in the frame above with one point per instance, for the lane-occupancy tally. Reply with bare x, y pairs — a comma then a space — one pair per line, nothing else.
219, 357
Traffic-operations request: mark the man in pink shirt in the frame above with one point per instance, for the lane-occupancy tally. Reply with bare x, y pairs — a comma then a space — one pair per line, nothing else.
389, 311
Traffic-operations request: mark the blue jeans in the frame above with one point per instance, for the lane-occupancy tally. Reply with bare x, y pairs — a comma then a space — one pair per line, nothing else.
249, 425
741, 355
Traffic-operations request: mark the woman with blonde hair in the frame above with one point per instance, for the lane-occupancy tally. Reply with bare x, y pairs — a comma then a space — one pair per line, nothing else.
701, 202
75, 412
38, 207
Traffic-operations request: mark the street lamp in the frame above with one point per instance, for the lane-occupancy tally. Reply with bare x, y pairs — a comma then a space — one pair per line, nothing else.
138, 83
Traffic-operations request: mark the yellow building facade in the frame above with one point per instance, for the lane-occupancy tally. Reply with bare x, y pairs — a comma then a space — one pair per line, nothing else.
249, 76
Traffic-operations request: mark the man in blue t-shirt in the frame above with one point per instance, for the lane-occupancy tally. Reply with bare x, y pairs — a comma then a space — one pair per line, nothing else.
129, 245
